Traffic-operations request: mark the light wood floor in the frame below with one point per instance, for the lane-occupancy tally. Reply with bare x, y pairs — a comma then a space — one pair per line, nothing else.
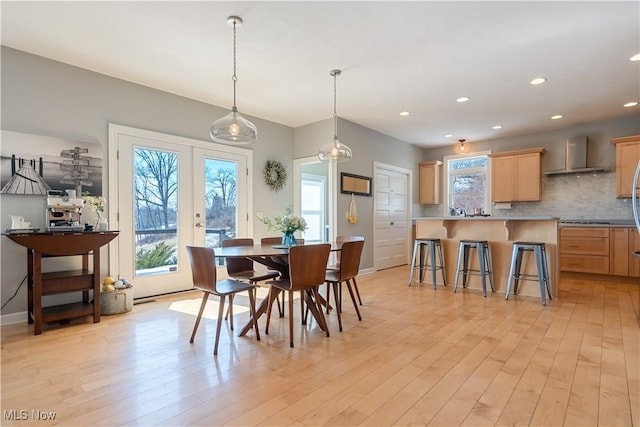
419, 357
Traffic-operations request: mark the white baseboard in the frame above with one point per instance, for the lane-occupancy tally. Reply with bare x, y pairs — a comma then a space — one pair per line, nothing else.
366, 271
11, 318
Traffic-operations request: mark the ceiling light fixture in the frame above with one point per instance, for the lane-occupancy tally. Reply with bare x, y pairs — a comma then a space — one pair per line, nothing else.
336, 150
496, 127
557, 116
462, 147
233, 128
538, 81
463, 99
448, 135
631, 104
635, 57
405, 113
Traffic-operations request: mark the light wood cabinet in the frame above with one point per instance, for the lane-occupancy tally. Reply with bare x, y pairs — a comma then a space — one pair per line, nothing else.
600, 250
627, 157
584, 250
619, 253
516, 176
430, 185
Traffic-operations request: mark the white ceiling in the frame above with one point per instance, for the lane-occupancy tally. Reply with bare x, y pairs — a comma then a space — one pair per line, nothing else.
416, 56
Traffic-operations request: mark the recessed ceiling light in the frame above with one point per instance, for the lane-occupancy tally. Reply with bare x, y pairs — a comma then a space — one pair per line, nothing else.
448, 135
557, 116
463, 99
635, 57
405, 113
496, 127
538, 81
631, 104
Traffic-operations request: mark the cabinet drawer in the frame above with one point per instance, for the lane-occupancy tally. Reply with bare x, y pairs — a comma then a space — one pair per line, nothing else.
591, 232
585, 263
584, 246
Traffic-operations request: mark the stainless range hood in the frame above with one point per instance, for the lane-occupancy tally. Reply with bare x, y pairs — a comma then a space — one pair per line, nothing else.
576, 158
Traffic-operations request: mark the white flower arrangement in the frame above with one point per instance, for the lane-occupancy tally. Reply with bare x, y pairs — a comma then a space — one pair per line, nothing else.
97, 203
286, 222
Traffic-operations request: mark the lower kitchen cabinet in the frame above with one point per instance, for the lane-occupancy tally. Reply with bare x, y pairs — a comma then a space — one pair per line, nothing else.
600, 250
584, 250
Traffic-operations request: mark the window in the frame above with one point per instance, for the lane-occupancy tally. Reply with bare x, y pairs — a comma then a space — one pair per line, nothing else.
468, 184
312, 206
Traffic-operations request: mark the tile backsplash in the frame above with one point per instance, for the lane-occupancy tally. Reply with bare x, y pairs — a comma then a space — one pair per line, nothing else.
573, 196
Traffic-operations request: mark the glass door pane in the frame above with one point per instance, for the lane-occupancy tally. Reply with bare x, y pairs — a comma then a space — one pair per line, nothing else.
155, 211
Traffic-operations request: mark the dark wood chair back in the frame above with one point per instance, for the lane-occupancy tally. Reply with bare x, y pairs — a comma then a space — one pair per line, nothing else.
203, 268
238, 265
307, 265
341, 239
350, 255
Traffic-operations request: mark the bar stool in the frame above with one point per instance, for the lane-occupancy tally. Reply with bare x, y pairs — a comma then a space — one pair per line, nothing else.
433, 246
542, 267
484, 262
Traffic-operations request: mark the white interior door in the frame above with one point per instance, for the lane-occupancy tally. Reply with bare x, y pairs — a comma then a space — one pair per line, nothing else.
171, 192
392, 189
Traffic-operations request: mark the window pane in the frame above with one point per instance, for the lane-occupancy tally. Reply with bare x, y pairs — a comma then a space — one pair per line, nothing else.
468, 184
221, 178
156, 201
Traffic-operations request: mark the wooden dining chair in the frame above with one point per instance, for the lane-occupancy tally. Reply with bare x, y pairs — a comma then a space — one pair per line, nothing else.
340, 240
307, 267
350, 255
243, 268
203, 269
278, 241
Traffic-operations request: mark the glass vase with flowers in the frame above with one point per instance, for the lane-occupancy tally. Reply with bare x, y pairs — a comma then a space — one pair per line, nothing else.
287, 223
96, 204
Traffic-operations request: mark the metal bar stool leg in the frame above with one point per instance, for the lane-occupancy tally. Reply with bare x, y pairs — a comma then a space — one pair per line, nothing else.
413, 261
459, 264
444, 276
489, 268
482, 265
541, 281
432, 262
512, 271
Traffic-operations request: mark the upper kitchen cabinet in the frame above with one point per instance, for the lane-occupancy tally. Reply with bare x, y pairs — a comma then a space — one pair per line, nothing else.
431, 183
627, 157
516, 176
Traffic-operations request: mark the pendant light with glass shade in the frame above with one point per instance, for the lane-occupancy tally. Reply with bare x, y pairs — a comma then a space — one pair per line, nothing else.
461, 147
335, 151
233, 128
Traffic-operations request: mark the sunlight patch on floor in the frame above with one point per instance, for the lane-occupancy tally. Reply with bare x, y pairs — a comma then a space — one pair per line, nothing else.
191, 306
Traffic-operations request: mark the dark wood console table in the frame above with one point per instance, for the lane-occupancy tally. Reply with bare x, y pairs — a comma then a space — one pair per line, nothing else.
55, 244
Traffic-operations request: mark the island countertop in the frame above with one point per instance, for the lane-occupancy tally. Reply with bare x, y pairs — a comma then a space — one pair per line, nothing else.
488, 218
500, 232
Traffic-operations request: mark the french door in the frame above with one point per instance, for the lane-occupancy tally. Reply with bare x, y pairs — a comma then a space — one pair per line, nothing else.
170, 192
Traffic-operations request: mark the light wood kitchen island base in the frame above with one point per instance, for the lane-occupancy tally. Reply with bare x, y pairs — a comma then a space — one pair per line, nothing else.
500, 232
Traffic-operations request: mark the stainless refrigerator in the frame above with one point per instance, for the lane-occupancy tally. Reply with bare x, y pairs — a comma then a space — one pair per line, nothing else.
635, 198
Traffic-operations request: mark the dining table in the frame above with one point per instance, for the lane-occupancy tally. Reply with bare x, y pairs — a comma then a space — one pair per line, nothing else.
274, 257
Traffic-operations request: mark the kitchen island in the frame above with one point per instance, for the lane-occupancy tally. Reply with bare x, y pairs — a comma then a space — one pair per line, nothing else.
500, 232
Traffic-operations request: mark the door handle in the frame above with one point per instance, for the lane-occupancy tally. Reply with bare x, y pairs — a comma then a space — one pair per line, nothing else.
198, 225
391, 222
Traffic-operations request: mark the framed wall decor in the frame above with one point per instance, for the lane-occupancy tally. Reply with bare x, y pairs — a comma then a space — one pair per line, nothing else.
355, 184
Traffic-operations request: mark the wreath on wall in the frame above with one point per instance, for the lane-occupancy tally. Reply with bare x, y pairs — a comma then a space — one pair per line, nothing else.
275, 174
